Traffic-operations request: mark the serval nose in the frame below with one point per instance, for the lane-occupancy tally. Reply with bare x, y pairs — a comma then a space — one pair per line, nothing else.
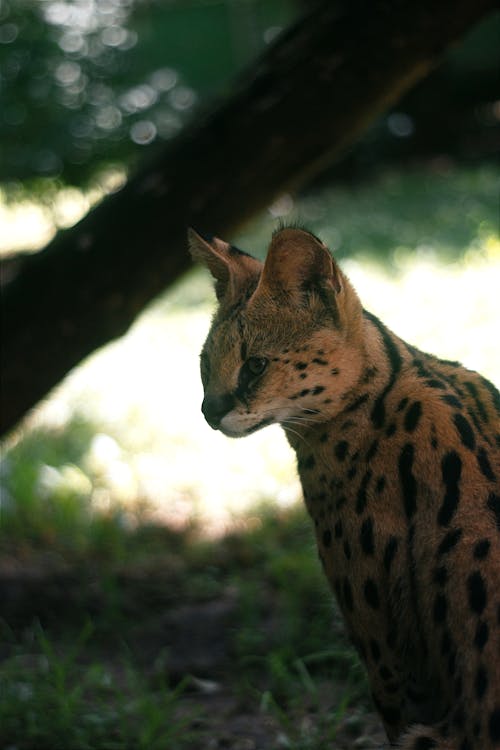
214, 408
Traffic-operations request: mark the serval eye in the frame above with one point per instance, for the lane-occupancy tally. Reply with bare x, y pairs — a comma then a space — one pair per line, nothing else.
256, 365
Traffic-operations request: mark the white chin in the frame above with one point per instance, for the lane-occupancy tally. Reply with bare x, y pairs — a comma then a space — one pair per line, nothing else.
235, 428
232, 433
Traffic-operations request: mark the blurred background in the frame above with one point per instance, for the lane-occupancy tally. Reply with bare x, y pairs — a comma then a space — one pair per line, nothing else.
118, 504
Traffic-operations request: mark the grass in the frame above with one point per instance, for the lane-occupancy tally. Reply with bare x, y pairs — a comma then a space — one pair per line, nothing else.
53, 700
76, 674
152, 594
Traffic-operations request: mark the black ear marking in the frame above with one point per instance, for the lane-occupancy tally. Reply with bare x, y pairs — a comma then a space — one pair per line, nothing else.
233, 270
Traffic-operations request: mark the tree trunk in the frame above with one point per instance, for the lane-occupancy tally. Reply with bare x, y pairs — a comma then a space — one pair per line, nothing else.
304, 101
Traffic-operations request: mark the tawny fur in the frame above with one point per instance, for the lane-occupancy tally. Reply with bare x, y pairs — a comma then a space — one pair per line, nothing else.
399, 458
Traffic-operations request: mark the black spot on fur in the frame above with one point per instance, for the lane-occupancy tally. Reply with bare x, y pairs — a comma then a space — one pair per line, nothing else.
317, 389
379, 487
476, 590
482, 635
372, 451
402, 404
452, 401
390, 552
434, 383
481, 682
366, 537
472, 388
341, 449
440, 608
395, 363
300, 365
440, 575
495, 395
481, 549
408, 483
358, 402
369, 374
449, 541
434, 440
362, 498
445, 643
371, 594
340, 502
452, 663
464, 430
327, 537
392, 638
484, 465
493, 504
458, 717
494, 725
451, 469
412, 416
307, 463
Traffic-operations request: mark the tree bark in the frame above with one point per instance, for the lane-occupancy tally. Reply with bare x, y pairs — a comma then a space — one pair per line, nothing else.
310, 95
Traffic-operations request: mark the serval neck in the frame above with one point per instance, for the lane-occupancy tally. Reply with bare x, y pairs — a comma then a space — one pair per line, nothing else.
367, 390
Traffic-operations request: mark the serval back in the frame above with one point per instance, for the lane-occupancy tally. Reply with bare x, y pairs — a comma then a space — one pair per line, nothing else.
399, 457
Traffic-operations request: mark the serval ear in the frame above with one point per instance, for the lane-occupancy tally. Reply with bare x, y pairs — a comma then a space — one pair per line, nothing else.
232, 269
297, 263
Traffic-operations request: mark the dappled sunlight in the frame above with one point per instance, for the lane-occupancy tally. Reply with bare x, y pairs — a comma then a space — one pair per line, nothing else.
25, 226
28, 223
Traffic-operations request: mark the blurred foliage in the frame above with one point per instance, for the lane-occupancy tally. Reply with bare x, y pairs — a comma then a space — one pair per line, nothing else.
453, 111
53, 495
90, 81
438, 211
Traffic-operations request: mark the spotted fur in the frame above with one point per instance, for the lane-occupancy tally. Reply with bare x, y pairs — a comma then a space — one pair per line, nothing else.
399, 457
